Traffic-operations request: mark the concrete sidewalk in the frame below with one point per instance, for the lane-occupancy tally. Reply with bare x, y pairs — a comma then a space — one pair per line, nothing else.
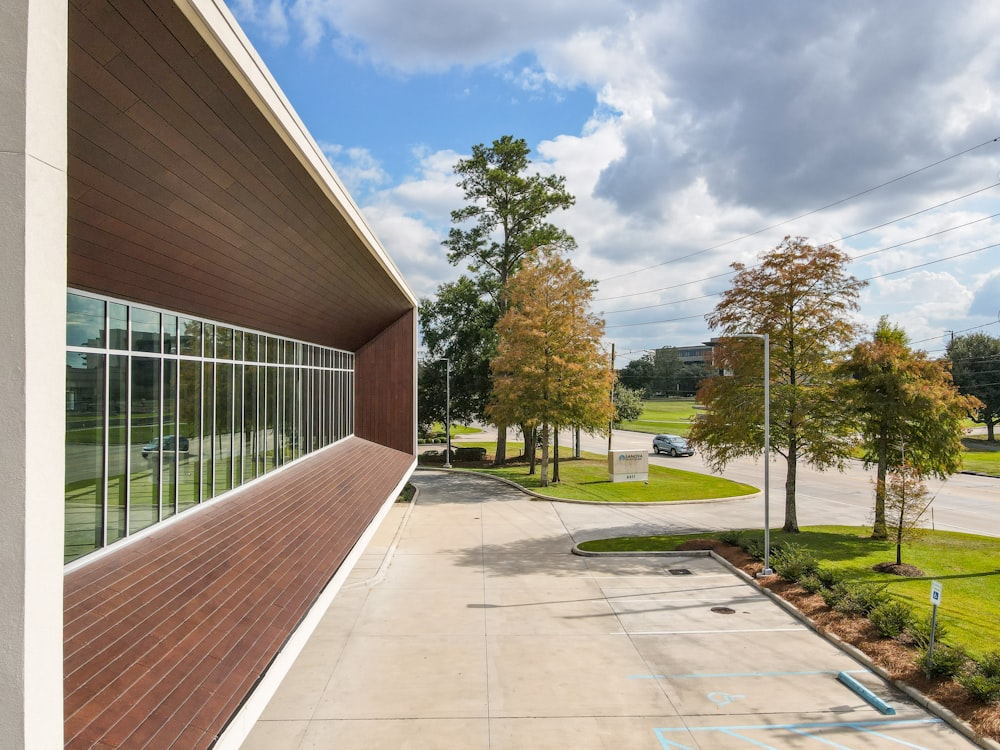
469, 625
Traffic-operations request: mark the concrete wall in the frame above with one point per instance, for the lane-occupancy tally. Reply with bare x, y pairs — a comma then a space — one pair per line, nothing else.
33, 45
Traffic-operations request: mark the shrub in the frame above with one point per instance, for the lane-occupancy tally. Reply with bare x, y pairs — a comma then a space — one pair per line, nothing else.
920, 631
793, 562
833, 595
860, 599
811, 583
947, 661
753, 546
731, 536
829, 578
989, 665
891, 618
982, 688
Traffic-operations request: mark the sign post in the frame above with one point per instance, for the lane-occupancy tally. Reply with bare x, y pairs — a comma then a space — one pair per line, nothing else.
935, 601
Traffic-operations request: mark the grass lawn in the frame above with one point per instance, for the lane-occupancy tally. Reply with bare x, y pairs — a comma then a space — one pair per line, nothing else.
673, 415
980, 455
587, 479
968, 566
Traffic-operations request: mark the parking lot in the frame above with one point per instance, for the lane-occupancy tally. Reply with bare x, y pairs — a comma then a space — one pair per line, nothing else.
469, 624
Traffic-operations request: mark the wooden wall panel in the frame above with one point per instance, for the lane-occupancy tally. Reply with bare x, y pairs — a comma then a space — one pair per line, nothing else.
385, 387
174, 170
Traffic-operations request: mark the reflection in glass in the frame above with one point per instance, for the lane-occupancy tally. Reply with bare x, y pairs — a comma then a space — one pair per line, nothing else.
145, 330
154, 426
170, 334
84, 495
189, 403
207, 424
84, 321
190, 337
144, 481
173, 443
223, 426
250, 423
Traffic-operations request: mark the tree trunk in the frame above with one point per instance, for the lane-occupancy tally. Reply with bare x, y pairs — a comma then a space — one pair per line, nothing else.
989, 431
555, 455
576, 450
544, 478
530, 446
501, 457
791, 517
879, 530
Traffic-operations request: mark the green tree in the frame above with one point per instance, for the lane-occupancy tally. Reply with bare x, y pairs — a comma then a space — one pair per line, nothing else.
628, 403
975, 366
638, 375
900, 399
550, 369
667, 369
505, 217
801, 296
460, 324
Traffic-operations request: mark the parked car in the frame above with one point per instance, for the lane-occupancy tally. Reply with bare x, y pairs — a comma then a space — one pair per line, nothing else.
672, 445
170, 443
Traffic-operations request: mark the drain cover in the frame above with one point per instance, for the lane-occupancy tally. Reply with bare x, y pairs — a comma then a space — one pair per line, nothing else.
679, 571
723, 610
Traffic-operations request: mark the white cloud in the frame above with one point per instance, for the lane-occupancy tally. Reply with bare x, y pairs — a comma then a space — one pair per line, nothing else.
357, 167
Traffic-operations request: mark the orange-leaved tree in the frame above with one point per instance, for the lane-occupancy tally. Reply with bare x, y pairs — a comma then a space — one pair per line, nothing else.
550, 369
802, 297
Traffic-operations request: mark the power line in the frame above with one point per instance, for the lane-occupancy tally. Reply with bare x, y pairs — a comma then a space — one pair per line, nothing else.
839, 239
807, 213
878, 276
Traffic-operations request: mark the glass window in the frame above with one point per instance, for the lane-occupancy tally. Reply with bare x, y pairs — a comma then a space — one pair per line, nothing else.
118, 452
170, 334
209, 340
117, 326
190, 337
145, 330
84, 321
173, 443
223, 427
250, 433
84, 496
144, 481
160, 426
189, 409
223, 343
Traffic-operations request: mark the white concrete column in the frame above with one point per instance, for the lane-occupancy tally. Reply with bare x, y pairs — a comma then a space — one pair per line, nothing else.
33, 60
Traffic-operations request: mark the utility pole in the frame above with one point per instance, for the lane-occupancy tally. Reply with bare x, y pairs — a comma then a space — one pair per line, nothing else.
611, 423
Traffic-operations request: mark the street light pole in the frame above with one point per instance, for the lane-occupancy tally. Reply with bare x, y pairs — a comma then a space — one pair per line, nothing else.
447, 410
767, 449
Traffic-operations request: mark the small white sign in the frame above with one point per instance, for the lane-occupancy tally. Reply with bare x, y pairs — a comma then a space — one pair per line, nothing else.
935, 592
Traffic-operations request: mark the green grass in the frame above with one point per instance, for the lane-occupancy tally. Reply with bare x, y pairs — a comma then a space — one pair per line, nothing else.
672, 416
981, 456
967, 565
587, 479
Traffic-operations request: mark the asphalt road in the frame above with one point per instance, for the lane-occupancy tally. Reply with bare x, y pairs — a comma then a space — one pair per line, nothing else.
964, 502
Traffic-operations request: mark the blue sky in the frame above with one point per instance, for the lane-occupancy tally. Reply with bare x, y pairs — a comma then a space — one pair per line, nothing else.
683, 129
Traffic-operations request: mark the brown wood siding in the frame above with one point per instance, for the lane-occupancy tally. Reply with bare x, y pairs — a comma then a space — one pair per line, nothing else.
385, 411
183, 196
165, 638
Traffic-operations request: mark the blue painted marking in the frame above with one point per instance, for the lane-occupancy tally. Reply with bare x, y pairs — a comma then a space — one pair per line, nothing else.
866, 727
866, 694
700, 675
724, 699
816, 737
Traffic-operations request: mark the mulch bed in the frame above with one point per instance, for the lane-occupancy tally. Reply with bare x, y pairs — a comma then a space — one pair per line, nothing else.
896, 658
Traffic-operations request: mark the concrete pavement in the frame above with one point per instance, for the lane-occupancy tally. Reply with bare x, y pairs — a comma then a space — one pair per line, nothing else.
468, 624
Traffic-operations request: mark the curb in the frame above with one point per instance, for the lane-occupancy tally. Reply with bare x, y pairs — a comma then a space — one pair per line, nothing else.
859, 656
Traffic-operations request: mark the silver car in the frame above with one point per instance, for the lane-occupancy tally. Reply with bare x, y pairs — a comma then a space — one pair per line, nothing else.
672, 445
